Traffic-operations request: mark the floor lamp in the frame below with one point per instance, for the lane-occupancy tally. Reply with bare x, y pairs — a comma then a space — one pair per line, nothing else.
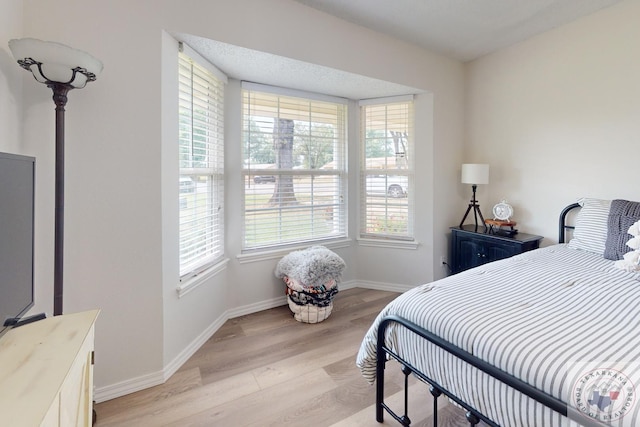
61, 68
474, 174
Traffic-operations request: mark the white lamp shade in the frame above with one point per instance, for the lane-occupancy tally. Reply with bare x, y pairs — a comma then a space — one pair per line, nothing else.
58, 61
475, 173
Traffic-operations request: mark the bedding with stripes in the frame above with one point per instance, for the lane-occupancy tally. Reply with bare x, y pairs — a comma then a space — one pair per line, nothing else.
563, 320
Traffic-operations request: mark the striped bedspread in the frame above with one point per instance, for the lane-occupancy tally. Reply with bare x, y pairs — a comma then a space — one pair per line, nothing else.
563, 320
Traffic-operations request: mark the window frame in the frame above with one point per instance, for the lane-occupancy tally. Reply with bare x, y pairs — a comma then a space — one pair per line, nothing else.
339, 203
387, 175
200, 85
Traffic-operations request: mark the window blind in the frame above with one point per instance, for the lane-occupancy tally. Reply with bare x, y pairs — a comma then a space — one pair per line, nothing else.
387, 169
294, 169
201, 165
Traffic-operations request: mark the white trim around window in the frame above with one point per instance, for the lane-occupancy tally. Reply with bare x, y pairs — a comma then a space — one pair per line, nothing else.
387, 188
201, 166
294, 168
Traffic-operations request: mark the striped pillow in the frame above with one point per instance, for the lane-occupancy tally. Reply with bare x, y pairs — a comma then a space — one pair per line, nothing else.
591, 225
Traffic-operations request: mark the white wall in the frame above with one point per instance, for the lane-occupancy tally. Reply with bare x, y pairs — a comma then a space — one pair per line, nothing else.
558, 117
10, 80
120, 207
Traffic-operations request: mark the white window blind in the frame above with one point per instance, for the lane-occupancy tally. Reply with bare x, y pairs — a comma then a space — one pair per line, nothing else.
201, 163
294, 168
387, 170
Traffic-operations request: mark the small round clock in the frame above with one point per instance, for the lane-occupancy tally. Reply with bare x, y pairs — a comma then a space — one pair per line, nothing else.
503, 211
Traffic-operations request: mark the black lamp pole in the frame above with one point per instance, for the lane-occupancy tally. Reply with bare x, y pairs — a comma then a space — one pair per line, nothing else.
473, 204
60, 91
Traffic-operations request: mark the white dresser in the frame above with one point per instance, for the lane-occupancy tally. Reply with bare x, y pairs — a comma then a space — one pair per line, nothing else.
46, 372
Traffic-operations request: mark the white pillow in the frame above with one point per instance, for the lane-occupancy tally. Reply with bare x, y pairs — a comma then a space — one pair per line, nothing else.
591, 225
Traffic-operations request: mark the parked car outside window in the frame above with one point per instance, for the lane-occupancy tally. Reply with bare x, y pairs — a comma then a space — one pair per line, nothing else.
259, 179
186, 185
391, 185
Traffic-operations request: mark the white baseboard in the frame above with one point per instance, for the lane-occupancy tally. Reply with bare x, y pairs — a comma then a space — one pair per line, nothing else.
112, 391
382, 286
378, 286
256, 307
343, 286
160, 377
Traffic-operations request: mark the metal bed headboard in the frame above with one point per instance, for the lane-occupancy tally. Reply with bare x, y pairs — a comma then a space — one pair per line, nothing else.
563, 227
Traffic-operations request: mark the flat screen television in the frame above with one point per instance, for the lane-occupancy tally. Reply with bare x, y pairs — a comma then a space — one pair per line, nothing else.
17, 184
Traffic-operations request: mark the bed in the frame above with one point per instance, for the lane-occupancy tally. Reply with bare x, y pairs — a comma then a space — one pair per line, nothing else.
547, 338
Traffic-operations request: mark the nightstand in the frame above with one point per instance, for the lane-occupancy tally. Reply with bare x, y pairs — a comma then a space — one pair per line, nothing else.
471, 246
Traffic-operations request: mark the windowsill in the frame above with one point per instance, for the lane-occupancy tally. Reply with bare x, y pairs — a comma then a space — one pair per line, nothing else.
393, 244
280, 252
200, 278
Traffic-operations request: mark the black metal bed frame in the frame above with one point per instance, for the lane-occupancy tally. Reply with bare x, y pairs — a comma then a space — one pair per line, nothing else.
473, 416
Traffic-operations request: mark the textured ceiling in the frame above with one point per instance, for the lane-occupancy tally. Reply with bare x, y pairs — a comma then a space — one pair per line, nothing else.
461, 29
261, 67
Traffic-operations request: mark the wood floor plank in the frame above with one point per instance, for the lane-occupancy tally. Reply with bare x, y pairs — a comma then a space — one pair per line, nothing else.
266, 320
183, 405
180, 382
266, 369
323, 410
242, 359
251, 409
290, 368
247, 353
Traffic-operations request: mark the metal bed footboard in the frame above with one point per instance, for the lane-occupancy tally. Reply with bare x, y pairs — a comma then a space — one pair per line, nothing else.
436, 390
473, 416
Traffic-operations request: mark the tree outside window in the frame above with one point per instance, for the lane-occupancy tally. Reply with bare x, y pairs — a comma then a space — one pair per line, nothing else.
294, 169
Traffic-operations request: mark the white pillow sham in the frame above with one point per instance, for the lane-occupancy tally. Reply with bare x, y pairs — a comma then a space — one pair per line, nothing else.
591, 225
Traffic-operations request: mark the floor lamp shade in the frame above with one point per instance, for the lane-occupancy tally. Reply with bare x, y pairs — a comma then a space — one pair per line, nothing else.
475, 173
52, 62
61, 68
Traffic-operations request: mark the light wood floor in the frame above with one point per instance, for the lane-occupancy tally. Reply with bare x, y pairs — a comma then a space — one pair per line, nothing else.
266, 369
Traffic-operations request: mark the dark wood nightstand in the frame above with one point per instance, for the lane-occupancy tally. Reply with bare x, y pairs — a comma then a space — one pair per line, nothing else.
471, 246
